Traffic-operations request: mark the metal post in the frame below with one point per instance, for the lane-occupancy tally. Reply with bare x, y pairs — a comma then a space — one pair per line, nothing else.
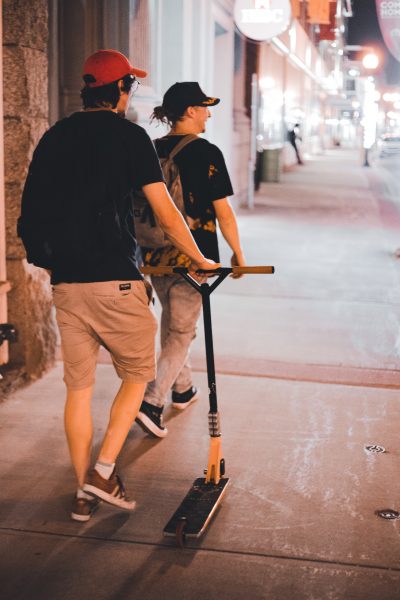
212, 387
253, 140
283, 113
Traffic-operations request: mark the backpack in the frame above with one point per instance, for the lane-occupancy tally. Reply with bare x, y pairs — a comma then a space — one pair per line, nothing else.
148, 231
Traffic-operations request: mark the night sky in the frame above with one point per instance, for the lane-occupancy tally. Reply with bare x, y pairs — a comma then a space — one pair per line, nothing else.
364, 30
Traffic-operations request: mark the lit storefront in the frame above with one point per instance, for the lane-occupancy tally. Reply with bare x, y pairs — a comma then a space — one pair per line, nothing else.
301, 79
291, 92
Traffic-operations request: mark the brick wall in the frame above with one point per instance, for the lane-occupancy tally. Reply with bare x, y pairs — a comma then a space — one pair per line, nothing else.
25, 63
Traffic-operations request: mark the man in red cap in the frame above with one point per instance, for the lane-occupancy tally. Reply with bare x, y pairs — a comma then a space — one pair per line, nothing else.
77, 222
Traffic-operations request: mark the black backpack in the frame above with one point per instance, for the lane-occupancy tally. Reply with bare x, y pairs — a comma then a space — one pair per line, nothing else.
148, 231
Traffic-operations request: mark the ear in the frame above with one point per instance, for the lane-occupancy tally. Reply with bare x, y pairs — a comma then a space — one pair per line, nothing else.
190, 112
120, 86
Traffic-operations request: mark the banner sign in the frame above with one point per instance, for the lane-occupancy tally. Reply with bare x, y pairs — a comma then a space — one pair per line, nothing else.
296, 11
328, 31
262, 20
389, 22
319, 11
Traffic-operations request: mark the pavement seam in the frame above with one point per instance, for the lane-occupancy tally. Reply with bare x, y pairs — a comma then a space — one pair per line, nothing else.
296, 377
187, 548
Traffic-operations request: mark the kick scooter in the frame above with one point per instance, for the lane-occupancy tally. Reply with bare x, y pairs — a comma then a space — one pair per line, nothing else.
200, 503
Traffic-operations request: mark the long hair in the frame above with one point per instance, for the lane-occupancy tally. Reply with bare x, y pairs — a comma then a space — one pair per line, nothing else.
166, 116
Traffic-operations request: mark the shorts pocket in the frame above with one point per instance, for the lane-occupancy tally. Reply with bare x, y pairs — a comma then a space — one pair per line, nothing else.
149, 291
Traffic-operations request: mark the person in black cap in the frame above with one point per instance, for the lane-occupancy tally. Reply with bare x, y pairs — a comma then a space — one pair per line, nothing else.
206, 186
77, 222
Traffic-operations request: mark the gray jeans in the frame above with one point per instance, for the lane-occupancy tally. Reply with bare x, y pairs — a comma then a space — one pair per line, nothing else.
181, 306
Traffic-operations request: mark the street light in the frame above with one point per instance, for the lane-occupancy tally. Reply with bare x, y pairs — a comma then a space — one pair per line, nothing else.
369, 96
370, 61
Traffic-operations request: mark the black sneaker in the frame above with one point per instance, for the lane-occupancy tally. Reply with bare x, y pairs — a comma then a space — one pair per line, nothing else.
181, 401
150, 419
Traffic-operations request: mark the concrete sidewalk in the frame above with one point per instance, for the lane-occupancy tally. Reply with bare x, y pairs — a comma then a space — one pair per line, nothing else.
308, 375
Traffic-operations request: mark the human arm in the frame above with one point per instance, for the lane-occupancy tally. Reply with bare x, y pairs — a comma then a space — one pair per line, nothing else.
33, 225
228, 225
174, 225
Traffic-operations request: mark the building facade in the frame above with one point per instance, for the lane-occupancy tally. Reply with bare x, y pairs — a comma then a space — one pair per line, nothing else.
45, 43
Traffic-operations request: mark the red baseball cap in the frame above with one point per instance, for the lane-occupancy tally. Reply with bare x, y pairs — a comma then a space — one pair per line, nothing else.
106, 66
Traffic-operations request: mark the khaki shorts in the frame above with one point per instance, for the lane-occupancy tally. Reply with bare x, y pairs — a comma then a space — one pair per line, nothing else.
114, 314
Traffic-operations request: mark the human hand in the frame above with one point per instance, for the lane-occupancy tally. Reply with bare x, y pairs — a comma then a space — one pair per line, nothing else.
237, 260
205, 265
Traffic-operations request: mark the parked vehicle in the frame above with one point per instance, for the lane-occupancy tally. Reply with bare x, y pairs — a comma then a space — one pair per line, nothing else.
389, 144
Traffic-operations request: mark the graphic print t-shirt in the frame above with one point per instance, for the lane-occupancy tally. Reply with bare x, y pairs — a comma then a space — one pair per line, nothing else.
204, 179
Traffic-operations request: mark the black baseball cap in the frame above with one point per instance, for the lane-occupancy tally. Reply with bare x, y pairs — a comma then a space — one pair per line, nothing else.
186, 93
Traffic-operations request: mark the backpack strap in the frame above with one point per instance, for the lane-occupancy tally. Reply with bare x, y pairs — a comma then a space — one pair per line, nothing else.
190, 137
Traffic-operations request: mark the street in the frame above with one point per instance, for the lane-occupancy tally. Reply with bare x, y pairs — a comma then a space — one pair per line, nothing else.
308, 375
389, 166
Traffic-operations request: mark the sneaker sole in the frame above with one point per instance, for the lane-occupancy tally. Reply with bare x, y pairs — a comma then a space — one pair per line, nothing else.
113, 500
80, 518
148, 426
183, 405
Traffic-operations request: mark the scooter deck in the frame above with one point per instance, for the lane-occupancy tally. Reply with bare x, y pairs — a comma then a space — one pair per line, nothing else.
197, 507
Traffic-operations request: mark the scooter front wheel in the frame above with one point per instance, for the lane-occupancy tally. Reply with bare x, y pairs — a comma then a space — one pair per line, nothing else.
180, 535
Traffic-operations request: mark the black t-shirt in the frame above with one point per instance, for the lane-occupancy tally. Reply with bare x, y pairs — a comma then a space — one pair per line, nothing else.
78, 194
204, 179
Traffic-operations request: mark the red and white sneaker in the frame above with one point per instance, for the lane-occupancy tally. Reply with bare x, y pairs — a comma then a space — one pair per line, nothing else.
83, 508
110, 490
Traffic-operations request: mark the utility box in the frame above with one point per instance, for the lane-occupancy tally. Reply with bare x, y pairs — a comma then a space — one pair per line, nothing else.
271, 163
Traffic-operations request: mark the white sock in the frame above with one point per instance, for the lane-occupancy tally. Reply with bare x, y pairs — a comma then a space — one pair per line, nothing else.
81, 494
104, 469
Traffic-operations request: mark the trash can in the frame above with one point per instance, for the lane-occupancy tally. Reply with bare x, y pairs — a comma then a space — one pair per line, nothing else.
271, 167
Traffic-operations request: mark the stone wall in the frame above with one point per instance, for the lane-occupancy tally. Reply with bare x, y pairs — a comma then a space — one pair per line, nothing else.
25, 62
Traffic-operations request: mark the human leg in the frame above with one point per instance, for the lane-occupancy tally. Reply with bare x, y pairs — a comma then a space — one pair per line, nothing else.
183, 304
79, 433
103, 481
79, 349
162, 285
122, 321
131, 344
183, 392
123, 412
79, 429
184, 377
299, 161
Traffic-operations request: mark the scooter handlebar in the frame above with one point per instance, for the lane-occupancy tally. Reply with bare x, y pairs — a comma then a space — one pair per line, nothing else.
265, 270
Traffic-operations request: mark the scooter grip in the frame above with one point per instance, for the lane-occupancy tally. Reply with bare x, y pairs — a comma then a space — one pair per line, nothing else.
253, 270
162, 270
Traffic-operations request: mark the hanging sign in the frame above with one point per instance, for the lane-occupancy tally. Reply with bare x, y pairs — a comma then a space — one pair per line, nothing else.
262, 20
319, 12
328, 31
389, 22
296, 10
